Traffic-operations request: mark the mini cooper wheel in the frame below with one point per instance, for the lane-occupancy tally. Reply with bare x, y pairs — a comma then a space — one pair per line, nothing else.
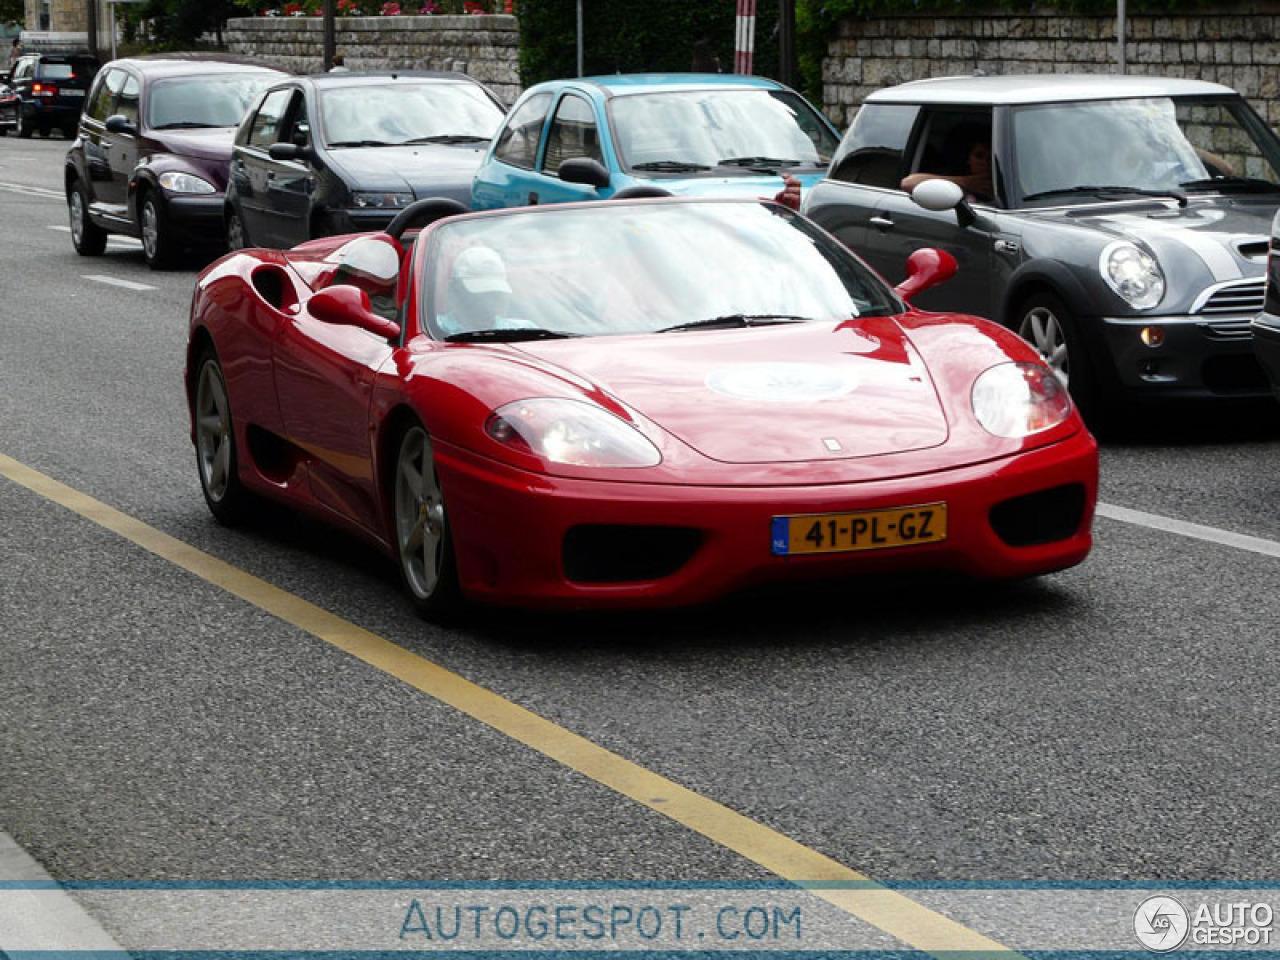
216, 457
1046, 323
237, 235
157, 244
424, 540
87, 237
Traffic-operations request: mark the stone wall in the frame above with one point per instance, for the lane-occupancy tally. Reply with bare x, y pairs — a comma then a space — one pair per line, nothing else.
483, 47
1234, 45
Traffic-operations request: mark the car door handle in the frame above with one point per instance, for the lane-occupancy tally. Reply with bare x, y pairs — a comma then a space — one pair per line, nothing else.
882, 223
105, 144
533, 198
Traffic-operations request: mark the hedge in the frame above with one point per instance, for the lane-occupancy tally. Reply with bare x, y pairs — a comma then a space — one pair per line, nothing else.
631, 37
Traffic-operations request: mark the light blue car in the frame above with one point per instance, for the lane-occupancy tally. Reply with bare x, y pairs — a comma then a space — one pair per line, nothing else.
685, 133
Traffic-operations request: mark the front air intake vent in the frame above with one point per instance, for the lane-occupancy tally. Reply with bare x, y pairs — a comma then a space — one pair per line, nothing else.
1234, 298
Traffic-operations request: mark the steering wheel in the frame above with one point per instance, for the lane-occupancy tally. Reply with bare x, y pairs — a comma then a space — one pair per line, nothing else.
421, 213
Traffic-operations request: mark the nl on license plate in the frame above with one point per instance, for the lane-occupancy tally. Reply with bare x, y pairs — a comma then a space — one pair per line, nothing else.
863, 530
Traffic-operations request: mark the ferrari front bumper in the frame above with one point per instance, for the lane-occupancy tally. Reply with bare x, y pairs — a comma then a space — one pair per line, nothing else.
517, 535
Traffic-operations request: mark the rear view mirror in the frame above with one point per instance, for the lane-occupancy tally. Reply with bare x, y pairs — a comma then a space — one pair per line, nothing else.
119, 123
584, 170
926, 268
938, 195
349, 306
287, 151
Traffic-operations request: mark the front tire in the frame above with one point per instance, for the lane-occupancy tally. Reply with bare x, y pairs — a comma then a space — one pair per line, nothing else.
217, 459
87, 237
157, 241
1049, 325
423, 537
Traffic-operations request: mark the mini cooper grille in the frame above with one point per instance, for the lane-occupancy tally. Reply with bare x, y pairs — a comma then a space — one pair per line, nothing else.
1042, 517
615, 553
1244, 297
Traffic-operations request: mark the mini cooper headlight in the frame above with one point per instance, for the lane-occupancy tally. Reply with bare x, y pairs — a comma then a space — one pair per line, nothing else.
571, 432
381, 199
1133, 274
176, 182
1019, 399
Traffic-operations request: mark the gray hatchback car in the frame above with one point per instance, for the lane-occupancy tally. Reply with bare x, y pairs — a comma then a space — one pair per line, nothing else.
1120, 224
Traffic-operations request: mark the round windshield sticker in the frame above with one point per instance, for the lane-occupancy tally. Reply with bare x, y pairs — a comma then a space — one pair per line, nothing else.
782, 382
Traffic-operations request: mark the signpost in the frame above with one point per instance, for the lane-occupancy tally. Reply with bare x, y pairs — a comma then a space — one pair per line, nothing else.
744, 48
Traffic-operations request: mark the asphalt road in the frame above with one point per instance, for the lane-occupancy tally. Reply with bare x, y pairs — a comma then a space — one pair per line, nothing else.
1117, 721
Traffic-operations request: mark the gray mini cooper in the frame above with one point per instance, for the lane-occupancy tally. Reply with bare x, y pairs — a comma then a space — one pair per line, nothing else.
1118, 223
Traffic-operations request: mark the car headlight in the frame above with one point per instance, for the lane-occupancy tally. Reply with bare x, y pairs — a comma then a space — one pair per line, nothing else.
571, 432
176, 182
1133, 274
381, 199
1019, 399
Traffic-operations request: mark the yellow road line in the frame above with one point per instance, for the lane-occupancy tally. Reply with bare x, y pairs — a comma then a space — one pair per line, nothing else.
851, 891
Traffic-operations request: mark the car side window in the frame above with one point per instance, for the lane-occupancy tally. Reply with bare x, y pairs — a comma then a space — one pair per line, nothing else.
98, 106
266, 125
573, 134
873, 150
111, 90
946, 141
295, 128
518, 142
127, 101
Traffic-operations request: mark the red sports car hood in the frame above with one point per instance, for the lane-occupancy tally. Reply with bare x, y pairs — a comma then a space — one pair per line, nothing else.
767, 395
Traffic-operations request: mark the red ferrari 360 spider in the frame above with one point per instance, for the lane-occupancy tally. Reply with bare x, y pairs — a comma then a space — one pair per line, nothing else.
638, 402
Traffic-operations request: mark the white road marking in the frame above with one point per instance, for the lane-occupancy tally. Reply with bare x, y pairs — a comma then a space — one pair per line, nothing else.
1196, 531
111, 238
37, 191
127, 284
43, 910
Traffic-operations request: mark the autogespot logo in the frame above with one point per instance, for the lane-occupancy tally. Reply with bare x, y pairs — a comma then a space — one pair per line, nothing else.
1161, 923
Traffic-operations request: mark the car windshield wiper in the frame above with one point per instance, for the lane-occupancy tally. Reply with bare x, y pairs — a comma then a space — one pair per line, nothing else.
189, 125
767, 163
1245, 184
362, 143
670, 166
507, 335
448, 138
735, 320
1172, 192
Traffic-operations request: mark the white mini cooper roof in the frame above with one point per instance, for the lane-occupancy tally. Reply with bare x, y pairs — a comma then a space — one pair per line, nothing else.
1041, 88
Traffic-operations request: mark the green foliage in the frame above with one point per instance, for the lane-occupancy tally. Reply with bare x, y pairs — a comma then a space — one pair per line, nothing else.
658, 35
12, 11
178, 24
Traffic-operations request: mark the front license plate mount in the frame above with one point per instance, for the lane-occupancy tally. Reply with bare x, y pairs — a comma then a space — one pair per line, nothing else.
859, 530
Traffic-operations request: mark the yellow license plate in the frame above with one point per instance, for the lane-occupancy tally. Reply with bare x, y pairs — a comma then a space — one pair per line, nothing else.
863, 530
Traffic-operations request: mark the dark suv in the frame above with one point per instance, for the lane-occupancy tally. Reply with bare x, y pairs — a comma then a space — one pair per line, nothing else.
153, 148
51, 90
1120, 223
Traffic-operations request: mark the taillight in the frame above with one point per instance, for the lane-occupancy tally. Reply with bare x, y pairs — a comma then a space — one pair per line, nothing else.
43, 90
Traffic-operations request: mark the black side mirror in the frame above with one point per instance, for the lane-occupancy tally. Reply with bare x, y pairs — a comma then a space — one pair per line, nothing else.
287, 151
584, 170
300, 135
119, 123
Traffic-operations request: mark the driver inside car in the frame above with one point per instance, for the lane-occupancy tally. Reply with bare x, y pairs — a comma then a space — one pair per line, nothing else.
478, 295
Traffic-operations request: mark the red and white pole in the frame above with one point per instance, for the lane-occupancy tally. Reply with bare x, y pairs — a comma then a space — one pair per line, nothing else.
744, 48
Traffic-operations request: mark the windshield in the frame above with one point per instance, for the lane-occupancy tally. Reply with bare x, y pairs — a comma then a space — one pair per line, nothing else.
707, 127
1148, 144
407, 113
642, 268
208, 101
